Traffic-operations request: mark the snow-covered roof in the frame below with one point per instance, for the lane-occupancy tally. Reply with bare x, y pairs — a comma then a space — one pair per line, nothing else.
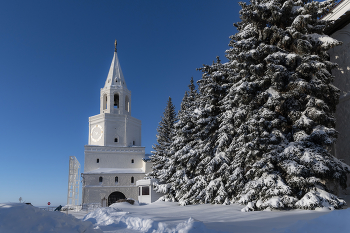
115, 75
145, 182
115, 170
341, 16
340, 9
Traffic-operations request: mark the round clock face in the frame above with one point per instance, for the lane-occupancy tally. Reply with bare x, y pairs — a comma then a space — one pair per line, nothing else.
96, 133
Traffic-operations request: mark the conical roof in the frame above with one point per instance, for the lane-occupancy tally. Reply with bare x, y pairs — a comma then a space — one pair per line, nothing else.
115, 76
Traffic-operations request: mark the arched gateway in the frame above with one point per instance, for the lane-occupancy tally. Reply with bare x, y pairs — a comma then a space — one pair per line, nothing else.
114, 197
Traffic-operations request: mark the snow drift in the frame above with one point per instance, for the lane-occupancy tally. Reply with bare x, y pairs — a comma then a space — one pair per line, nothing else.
336, 221
113, 217
21, 218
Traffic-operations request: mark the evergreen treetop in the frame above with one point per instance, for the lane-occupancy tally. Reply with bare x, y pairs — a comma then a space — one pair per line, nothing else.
164, 139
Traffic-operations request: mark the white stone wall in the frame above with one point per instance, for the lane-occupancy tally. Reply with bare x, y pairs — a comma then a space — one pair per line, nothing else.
94, 191
96, 194
124, 179
126, 128
113, 157
148, 167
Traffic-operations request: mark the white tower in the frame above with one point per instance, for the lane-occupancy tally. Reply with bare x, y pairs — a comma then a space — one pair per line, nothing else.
114, 126
114, 156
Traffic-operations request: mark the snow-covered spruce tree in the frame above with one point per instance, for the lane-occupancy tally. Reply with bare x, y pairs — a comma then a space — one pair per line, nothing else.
165, 135
182, 148
283, 101
204, 173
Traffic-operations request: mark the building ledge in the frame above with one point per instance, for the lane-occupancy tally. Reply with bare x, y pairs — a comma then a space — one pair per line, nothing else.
116, 186
124, 149
145, 182
115, 171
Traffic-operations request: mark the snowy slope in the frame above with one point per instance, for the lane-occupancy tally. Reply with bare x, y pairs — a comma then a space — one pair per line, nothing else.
336, 221
22, 218
164, 217
170, 217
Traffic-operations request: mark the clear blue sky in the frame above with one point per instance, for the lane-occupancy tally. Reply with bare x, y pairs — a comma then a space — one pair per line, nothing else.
54, 58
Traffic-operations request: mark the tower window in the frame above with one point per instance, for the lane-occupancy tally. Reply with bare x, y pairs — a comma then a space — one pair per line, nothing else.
132, 161
104, 102
133, 143
116, 100
100, 179
132, 179
116, 179
115, 139
127, 104
97, 160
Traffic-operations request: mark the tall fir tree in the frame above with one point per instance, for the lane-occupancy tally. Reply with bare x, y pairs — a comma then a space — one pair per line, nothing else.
209, 180
284, 104
183, 155
198, 167
165, 135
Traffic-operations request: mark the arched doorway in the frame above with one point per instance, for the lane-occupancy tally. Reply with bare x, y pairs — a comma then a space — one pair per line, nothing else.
115, 196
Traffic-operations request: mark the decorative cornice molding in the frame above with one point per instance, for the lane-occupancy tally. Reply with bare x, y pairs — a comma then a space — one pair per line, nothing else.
114, 149
99, 186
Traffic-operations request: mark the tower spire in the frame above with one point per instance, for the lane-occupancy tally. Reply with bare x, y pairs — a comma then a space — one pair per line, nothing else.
115, 77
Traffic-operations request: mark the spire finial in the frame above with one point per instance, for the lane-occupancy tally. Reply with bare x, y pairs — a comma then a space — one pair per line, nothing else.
115, 46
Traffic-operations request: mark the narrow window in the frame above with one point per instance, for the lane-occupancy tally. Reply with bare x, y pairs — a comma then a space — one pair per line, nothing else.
133, 143
132, 179
100, 179
145, 190
115, 139
132, 161
104, 102
97, 160
127, 104
116, 100
116, 179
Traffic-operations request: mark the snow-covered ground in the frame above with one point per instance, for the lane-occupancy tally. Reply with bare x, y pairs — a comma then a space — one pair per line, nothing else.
22, 218
170, 217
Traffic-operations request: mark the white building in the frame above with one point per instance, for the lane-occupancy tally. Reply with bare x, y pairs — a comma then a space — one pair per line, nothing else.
114, 157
